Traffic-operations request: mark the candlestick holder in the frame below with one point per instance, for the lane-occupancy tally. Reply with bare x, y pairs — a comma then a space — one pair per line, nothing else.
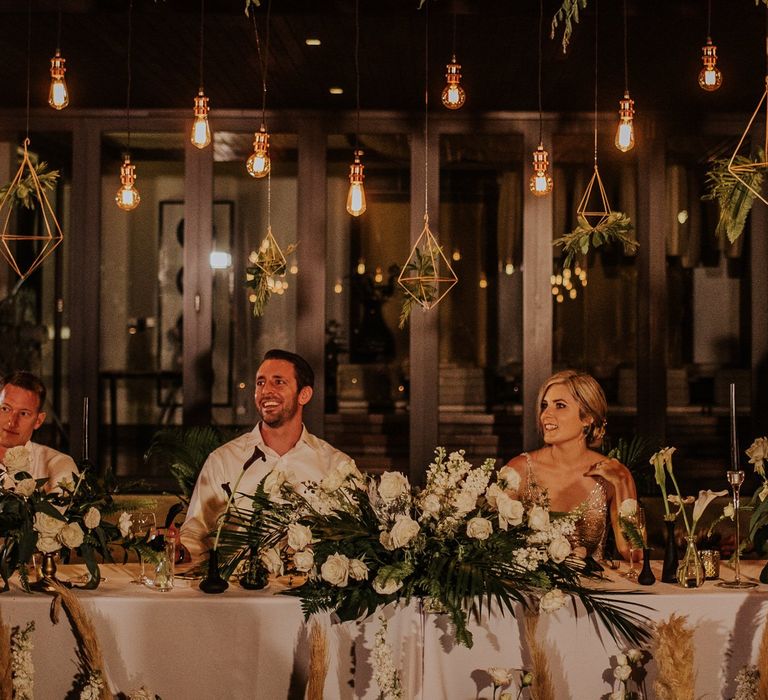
736, 479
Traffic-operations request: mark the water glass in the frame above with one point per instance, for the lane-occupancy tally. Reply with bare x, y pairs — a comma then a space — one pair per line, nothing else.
144, 529
164, 571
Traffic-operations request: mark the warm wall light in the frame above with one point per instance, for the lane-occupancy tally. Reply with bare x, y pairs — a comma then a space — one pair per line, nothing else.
710, 77
625, 131
453, 94
259, 163
540, 182
58, 95
127, 197
356, 196
201, 130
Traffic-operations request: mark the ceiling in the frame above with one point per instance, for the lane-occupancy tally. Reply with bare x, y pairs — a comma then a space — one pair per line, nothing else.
496, 43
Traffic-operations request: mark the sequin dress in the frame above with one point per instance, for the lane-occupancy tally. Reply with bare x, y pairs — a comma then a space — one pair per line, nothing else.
591, 514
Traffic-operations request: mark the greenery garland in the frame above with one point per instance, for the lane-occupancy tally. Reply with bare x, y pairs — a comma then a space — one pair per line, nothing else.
734, 198
615, 228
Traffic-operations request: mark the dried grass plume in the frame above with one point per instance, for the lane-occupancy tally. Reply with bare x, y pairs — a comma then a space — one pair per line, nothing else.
542, 688
673, 652
6, 680
318, 661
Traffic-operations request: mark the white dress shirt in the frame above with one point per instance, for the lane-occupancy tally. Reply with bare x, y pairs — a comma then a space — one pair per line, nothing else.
46, 463
310, 459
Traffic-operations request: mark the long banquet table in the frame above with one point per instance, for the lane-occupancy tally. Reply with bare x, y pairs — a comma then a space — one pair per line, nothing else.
186, 645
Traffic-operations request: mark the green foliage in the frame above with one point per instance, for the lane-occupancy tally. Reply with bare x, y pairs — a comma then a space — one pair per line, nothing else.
415, 290
25, 191
615, 229
633, 454
631, 532
734, 199
568, 13
184, 451
261, 283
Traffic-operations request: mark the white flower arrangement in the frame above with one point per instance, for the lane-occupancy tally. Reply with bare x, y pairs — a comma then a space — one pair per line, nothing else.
626, 674
17, 460
385, 673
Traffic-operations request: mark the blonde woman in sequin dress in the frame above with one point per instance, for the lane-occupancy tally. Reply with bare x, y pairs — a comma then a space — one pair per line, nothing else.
567, 473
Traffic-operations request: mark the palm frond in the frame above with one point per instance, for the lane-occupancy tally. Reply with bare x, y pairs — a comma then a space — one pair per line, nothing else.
615, 229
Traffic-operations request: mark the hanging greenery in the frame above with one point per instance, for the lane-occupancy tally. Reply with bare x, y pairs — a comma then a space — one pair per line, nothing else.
25, 190
421, 285
262, 281
615, 228
734, 199
567, 14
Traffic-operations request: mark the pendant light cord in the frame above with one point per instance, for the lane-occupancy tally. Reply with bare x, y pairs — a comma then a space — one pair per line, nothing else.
541, 21
263, 57
29, 53
357, 72
202, 40
426, 110
58, 30
626, 51
709, 19
128, 88
595, 115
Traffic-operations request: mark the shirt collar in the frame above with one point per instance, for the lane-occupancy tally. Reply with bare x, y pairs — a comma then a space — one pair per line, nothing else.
256, 438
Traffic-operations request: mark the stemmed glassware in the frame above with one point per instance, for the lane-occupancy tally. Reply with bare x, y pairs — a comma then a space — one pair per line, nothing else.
144, 530
638, 519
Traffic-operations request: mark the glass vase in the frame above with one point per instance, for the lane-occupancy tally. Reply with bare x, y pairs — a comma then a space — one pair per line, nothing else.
669, 568
690, 572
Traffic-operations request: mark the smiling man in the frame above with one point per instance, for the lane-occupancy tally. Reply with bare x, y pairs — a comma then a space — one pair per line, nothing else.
22, 397
279, 441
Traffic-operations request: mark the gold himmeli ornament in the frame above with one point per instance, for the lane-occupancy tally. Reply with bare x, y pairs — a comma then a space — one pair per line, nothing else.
427, 276
51, 236
602, 210
740, 171
270, 259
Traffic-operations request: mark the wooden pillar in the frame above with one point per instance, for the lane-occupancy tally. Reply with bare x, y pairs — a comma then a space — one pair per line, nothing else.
537, 297
759, 327
197, 371
651, 289
311, 280
424, 327
84, 251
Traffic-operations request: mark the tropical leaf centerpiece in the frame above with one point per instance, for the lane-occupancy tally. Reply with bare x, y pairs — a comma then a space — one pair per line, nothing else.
611, 229
464, 543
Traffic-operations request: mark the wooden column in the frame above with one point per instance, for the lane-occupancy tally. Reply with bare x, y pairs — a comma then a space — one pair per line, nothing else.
759, 351
424, 326
651, 289
311, 280
537, 296
198, 285
83, 245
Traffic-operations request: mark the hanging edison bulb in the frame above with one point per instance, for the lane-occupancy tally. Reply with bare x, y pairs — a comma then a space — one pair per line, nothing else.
356, 196
258, 164
127, 196
541, 181
58, 96
625, 131
710, 77
453, 94
201, 130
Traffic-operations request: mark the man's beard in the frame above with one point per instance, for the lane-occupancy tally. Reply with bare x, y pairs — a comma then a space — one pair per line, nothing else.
288, 411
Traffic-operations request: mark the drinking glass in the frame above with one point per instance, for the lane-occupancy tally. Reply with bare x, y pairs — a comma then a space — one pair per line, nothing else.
639, 521
144, 529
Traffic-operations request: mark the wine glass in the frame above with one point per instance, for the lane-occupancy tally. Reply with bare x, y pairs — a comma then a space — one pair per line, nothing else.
143, 529
638, 520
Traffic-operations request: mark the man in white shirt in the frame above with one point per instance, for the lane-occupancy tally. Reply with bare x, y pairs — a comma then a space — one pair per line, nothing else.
280, 441
22, 397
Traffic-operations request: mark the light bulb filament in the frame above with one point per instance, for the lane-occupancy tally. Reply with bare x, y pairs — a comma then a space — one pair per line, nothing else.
356, 204
453, 96
201, 130
58, 95
540, 183
127, 197
259, 163
625, 132
710, 77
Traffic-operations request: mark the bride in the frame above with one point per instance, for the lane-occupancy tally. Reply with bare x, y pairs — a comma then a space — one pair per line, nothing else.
567, 473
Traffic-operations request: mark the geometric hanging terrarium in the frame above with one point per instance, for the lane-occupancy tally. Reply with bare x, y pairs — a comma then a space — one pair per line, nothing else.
427, 276
28, 189
744, 172
263, 276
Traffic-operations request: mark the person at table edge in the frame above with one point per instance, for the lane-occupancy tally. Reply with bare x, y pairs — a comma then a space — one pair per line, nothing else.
284, 385
22, 398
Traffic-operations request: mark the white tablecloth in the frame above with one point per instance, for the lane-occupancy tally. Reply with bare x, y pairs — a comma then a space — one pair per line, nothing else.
187, 645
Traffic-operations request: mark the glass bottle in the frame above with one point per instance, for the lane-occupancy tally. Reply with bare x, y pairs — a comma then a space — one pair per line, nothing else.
164, 570
690, 572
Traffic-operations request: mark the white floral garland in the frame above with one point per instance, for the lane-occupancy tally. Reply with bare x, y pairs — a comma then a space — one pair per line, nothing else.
22, 668
385, 672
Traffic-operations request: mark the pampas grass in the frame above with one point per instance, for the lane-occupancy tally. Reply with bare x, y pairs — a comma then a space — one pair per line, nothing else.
542, 687
91, 659
318, 661
6, 680
762, 664
673, 652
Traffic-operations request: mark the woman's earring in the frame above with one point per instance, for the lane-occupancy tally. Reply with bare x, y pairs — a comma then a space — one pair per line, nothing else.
585, 429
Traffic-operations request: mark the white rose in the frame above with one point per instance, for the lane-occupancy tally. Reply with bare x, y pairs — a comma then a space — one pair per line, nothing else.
358, 569
634, 655
479, 528
26, 487
48, 544
17, 459
272, 561
559, 549
621, 660
387, 587
335, 570
622, 673
552, 600
492, 493
758, 453
500, 676
274, 482
430, 504
538, 518
47, 525
510, 477
511, 511
393, 485
628, 508
617, 694
304, 560
464, 502
71, 535
92, 518
403, 531
299, 536
335, 479
386, 540
125, 524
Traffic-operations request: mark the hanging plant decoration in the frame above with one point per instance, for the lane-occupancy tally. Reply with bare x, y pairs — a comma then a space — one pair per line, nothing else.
268, 264
568, 13
734, 198
427, 276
